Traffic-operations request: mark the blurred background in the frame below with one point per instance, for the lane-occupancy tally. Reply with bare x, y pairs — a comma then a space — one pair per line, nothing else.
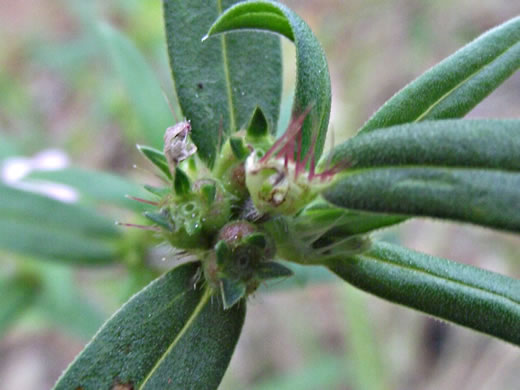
72, 76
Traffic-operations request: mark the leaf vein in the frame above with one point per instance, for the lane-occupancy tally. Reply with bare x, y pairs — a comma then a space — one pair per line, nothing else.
436, 276
446, 95
196, 312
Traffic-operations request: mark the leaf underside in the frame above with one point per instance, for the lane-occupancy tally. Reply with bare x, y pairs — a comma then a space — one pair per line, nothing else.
313, 88
170, 335
220, 82
454, 86
481, 300
465, 170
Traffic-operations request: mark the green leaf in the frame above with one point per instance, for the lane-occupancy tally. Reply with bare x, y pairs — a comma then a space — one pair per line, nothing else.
457, 84
35, 225
170, 335
488, 143
312, 78
160, 219
140, 83
18, 293
52, 243
272, 270
466, 295
209, 191
232, 292
160, 192
256, 239
95, 186
257, 126
302, 276
221, 81
239, 149
40, 210
181, 183
223, 252
156, 157
465, 170
321, 216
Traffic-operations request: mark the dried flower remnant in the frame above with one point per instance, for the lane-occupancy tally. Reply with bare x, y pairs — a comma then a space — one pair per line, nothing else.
177, 145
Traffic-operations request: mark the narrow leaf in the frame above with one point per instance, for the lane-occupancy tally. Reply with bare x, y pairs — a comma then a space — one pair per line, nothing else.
240, 151
170, 335
232, 292
322, 216
181, 183
463, 170
272, 270
302, 275
223, 252
209, 191
478, 196
40, 210
488, 143
257, 126
95, 186
156, 157
35, 225
157, 191
257, 239
312, 79
457, 84
466, 295
43, 241
160, 219
218, 83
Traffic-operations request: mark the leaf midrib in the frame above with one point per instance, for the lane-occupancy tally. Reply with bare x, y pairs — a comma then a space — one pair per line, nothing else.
106, 348
229, 92
355, 171
200, 306
447, 94
436, 276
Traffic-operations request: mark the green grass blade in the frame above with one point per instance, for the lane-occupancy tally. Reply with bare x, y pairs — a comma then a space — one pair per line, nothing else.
169, 335
481, 300
466, 170
220, 82
457, 84
312, 79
